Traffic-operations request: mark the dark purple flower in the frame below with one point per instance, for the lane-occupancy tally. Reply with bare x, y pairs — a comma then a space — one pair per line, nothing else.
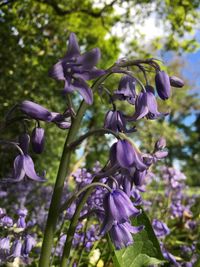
176, 82
74, 69
115, 121
127, 156
121, 234
126, 89
118, 207
38, 140
63, 121
146, 105
35, 111
163, 85
139, 177
160, 228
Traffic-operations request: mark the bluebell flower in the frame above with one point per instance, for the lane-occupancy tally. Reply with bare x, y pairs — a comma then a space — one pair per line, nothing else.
5, 243
6, 221
35, 111
163, 85
75, 69
176, 82
38, 140
160, 228
126, 89
115, 121
23, 164
16, 249
121, 234
118, 207
146, 105
38, 112
28, 244
123, 153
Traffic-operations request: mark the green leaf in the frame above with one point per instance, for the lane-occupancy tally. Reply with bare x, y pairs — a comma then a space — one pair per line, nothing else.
145, 249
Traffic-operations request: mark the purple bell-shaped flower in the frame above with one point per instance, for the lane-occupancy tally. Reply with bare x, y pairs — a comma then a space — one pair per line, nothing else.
163, 85
118, 207
38, 140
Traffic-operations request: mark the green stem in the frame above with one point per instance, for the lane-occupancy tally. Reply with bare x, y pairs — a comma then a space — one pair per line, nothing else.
61, 176
55, 202
74, 220
92, 132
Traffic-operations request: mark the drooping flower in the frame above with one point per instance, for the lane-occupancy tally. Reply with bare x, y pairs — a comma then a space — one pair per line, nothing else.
118, 207
38, 112
75, 69
123, 153
23, 163
38, 140
22, 213
16, 248
176, 82
121, 234
163, 85
146, 105
6, 221
28, 244
139, 177
63, 121
126, 89
115, 121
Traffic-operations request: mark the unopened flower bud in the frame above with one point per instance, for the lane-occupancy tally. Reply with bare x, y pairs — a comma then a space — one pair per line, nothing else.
160, 144
35, 111
176, 82
38, 140
163, 85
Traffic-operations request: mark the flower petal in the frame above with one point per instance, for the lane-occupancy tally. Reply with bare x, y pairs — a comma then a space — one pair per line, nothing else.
89, 59
18, 171
57, 71
82, 87
125, 155
73, 47
30, 169
35, 111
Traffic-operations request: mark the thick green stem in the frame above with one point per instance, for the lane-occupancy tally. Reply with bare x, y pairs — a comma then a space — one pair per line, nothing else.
72, 228
61, 176
55, 201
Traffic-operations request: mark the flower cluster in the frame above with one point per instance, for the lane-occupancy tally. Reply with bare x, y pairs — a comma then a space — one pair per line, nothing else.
116, 187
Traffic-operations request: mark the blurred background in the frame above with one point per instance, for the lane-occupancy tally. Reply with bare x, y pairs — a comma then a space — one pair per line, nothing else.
33, 37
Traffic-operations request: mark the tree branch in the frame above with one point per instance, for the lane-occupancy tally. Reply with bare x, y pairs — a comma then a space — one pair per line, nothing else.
90, 12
